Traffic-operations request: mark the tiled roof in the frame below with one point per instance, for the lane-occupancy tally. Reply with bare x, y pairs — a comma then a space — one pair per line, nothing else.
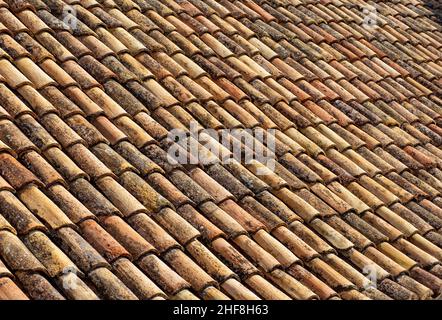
92, 205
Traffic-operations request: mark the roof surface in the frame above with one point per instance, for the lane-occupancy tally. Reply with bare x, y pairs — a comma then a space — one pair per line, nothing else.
93, 205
